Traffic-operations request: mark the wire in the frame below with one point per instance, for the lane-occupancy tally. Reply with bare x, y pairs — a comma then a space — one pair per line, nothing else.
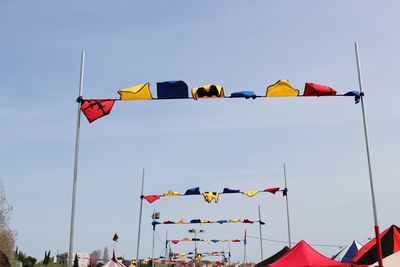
285, 242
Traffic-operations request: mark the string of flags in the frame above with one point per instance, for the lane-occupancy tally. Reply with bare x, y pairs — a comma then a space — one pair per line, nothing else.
94, 109
203, 221
187, 239
213, 196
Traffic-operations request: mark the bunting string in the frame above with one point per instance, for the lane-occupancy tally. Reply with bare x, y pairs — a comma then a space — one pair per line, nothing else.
213, 196
209, 241
203, 221
94, 109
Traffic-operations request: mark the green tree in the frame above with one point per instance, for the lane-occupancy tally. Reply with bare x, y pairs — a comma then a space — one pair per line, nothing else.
7, 240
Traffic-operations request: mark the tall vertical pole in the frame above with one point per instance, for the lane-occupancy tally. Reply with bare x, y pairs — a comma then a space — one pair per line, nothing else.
140, 221
154, 231
261, 240
287, 207
376, 228
75, 178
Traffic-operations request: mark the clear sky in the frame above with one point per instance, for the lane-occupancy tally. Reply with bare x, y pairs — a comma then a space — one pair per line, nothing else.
242, 45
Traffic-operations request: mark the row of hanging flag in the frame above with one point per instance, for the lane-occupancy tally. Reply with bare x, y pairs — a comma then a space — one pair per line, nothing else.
94, 109
187, 239
203, 221
213, 196
204, 254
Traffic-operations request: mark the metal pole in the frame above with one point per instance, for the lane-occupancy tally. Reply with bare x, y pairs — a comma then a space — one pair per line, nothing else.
75, 178
376, 228
154, 230
287, 207
261, 240
140, 221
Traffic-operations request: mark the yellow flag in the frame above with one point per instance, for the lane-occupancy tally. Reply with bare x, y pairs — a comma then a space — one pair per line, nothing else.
281, 88
171, 193
138, 92
208, 91
250, 193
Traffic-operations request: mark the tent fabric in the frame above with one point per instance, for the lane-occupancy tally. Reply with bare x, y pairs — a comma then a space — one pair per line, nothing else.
347, 253
94, 109
281, 88
313, 89
390, 240
113, 262
244, 94
390, 261
172, 89
273, 258
193, 191
138, 92
208, 91
302, 255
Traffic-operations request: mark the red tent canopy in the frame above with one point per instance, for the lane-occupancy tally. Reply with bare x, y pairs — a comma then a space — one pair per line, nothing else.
302, 255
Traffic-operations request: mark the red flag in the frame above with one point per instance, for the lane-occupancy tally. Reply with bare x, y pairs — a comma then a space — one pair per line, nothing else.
152, 198
313, 89
272, 190
115, 238
96, 108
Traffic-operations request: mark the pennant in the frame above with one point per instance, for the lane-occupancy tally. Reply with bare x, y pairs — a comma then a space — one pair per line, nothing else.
244, 94
247, 221
152, 198
313, 89
193, 191
196, 239
356, 94
250, 193
228, 191
222, 221
208, 91
186, 239
214, 240
225, 240
172, 90
138, 92
209, 196
234, 220
182, 221
281, 88
195, 221
261, 222
168, 222
94, 109
206, 221
235, 240
182, 255
171, 193
154, 223
115, 237
272, 190
284, 192
175, 241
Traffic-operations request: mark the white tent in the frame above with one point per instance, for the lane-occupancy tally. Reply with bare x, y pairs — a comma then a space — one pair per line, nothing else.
113, 262
390, 261
347, 253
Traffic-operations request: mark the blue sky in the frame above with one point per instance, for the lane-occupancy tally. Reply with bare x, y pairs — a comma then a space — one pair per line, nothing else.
212, 144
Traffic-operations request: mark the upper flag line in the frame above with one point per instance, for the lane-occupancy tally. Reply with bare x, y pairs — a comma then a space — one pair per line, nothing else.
94, 109
212, 196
